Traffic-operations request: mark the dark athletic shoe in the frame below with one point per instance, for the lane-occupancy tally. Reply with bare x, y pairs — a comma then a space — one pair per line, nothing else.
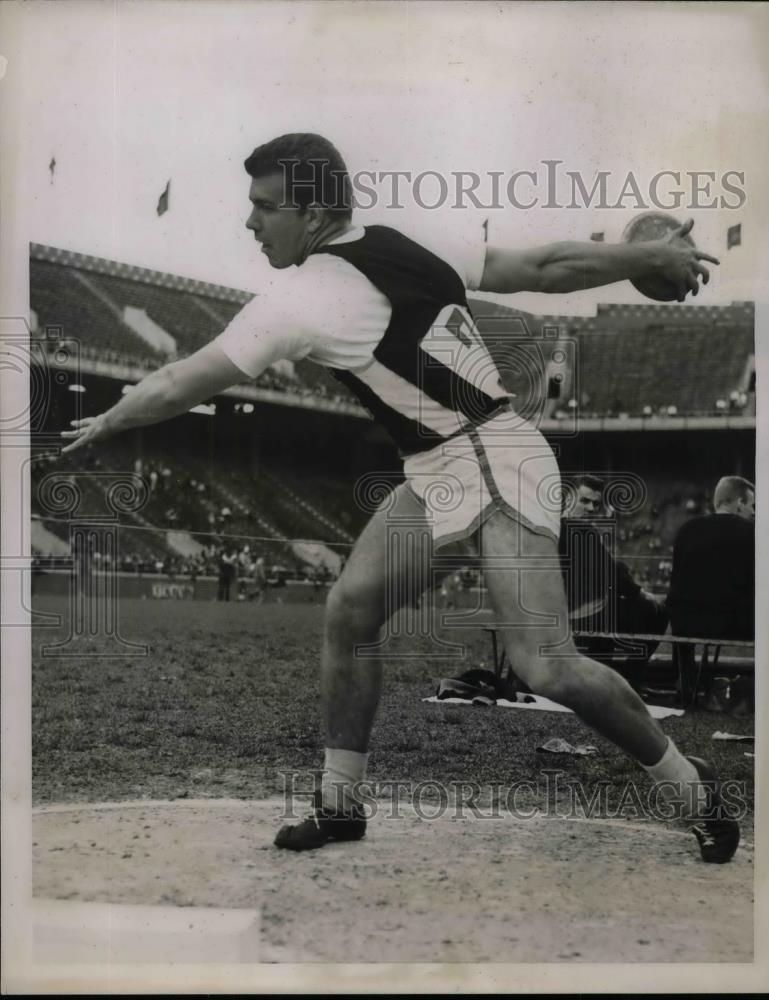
321, 827
717, 833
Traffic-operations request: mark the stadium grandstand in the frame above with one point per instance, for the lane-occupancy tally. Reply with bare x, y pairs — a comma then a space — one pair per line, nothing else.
666, 393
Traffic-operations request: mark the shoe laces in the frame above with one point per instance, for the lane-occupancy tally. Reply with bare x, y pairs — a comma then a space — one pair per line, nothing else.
704, 836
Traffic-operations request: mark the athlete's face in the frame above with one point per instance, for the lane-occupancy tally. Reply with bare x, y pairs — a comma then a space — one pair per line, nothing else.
284, 232
587, 503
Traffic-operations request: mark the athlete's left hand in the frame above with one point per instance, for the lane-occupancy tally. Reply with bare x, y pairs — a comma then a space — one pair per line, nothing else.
86, 431
680, 262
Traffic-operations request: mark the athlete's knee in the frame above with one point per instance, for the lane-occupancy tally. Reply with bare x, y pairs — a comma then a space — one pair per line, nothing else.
559, 678
545, 676
574, 680
352, 612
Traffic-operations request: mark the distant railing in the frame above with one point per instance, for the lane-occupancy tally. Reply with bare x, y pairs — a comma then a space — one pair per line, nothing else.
115, 364
131, 368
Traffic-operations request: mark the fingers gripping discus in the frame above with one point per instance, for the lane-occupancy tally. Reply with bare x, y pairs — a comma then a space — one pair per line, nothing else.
654, 226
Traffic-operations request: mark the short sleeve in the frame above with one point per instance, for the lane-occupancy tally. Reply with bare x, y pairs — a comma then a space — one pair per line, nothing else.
470, 256
268, 329
466, 253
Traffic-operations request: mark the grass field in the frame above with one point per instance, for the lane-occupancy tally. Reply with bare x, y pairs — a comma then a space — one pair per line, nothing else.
229, 696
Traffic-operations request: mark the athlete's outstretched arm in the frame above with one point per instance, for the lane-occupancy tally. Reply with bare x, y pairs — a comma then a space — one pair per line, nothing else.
166, 393
571, 267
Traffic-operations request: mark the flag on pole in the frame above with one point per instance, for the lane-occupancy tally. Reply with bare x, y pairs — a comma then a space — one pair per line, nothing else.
164, 199
597, 237
734, 236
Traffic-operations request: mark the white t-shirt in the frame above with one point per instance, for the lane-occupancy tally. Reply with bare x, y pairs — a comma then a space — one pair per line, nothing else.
326, 310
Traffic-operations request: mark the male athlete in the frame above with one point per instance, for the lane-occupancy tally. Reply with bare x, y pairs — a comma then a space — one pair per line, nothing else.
391, 320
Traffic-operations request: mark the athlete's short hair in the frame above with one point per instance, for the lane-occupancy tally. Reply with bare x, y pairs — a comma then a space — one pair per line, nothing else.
591, 482
729, 489
313, 171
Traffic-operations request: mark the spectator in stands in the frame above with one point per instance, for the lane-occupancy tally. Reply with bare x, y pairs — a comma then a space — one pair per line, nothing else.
317, 582
259, 575
712, 585
82, 563
37, 572
244, 567
451, 586
602, 594
227, 564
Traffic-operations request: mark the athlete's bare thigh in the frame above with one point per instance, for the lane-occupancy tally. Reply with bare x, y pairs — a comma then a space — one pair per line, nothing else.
390, 563
523, 576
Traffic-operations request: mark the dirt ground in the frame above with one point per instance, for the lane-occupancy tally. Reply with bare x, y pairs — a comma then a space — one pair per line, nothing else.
448, 890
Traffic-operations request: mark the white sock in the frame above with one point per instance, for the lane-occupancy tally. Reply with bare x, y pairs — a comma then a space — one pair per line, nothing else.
342, 769
682, 782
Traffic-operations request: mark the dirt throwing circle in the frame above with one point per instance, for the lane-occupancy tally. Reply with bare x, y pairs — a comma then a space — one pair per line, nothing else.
446, 890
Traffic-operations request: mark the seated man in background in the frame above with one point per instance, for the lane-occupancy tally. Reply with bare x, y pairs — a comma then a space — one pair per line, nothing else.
602, 594
712, 586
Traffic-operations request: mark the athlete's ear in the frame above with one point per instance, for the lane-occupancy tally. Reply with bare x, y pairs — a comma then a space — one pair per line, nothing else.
315, 217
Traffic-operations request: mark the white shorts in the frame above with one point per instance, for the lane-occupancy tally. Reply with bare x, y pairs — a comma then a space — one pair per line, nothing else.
505, 464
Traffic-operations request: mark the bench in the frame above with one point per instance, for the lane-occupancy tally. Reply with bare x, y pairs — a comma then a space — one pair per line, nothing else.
688, 685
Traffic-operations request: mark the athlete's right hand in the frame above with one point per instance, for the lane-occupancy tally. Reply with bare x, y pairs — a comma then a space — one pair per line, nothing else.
680, 262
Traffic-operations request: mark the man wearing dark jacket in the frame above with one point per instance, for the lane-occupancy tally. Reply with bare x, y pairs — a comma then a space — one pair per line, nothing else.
712, 587
602, 594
